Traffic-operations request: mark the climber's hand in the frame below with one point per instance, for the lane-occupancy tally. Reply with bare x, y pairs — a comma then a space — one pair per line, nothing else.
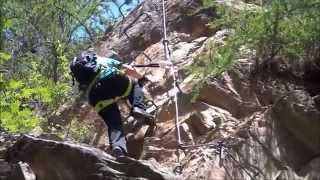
130, 71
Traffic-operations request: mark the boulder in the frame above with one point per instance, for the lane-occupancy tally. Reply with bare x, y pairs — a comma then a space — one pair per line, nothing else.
52, 160
298, 117
21, 171
5, 169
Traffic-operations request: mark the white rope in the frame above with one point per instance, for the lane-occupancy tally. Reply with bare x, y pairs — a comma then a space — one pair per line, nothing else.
174, 74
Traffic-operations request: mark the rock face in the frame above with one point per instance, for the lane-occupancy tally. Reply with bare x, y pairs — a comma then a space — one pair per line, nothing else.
5, 169
268, 123
297, 115
51, 160
143, 27
260, 122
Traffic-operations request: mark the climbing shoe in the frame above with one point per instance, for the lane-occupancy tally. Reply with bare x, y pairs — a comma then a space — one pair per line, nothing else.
140, 113
117, 152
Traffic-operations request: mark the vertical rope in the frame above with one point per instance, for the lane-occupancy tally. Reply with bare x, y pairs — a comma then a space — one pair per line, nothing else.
168, 58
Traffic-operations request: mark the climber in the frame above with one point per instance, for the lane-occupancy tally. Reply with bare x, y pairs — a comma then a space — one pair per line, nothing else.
105, 81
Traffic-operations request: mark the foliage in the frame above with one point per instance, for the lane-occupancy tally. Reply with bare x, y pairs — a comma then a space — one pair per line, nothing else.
286, 28
217, 58
38, 39
212, 63
15, 112
80, 131
4, 23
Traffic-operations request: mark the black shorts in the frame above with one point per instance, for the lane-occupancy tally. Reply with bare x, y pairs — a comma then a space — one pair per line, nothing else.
108, 88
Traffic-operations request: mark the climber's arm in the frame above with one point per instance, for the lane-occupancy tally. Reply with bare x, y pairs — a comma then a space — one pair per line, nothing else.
130, 71
125, 68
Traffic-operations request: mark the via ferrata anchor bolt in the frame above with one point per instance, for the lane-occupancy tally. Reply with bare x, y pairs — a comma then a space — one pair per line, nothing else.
220, 149
178, 169
181, 146
165, 41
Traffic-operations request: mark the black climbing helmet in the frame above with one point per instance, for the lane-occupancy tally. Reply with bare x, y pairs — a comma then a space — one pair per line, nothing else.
84, 68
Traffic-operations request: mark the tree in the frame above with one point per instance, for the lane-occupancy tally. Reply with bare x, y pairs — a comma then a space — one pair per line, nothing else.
42, 36
285, 28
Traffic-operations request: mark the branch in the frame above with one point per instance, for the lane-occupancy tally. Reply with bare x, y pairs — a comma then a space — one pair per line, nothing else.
119, 8
76, 27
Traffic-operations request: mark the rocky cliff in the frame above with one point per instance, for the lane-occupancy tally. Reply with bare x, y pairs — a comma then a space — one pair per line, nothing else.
257, 121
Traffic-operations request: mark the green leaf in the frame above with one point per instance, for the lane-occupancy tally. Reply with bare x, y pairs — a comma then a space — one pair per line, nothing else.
13, 84
5, 116
7, 23
22, 121
27, 93
4, 57
45, 94
15, 106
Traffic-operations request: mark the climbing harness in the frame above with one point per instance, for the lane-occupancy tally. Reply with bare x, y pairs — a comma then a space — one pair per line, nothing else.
104, 103
95, 79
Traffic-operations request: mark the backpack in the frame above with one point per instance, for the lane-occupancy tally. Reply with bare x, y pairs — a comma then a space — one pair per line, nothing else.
84, 69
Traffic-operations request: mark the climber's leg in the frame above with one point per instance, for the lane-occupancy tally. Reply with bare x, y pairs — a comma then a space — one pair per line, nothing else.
136, 98
112, 117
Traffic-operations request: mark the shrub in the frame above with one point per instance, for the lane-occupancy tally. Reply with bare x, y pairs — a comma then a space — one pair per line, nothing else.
286, 28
